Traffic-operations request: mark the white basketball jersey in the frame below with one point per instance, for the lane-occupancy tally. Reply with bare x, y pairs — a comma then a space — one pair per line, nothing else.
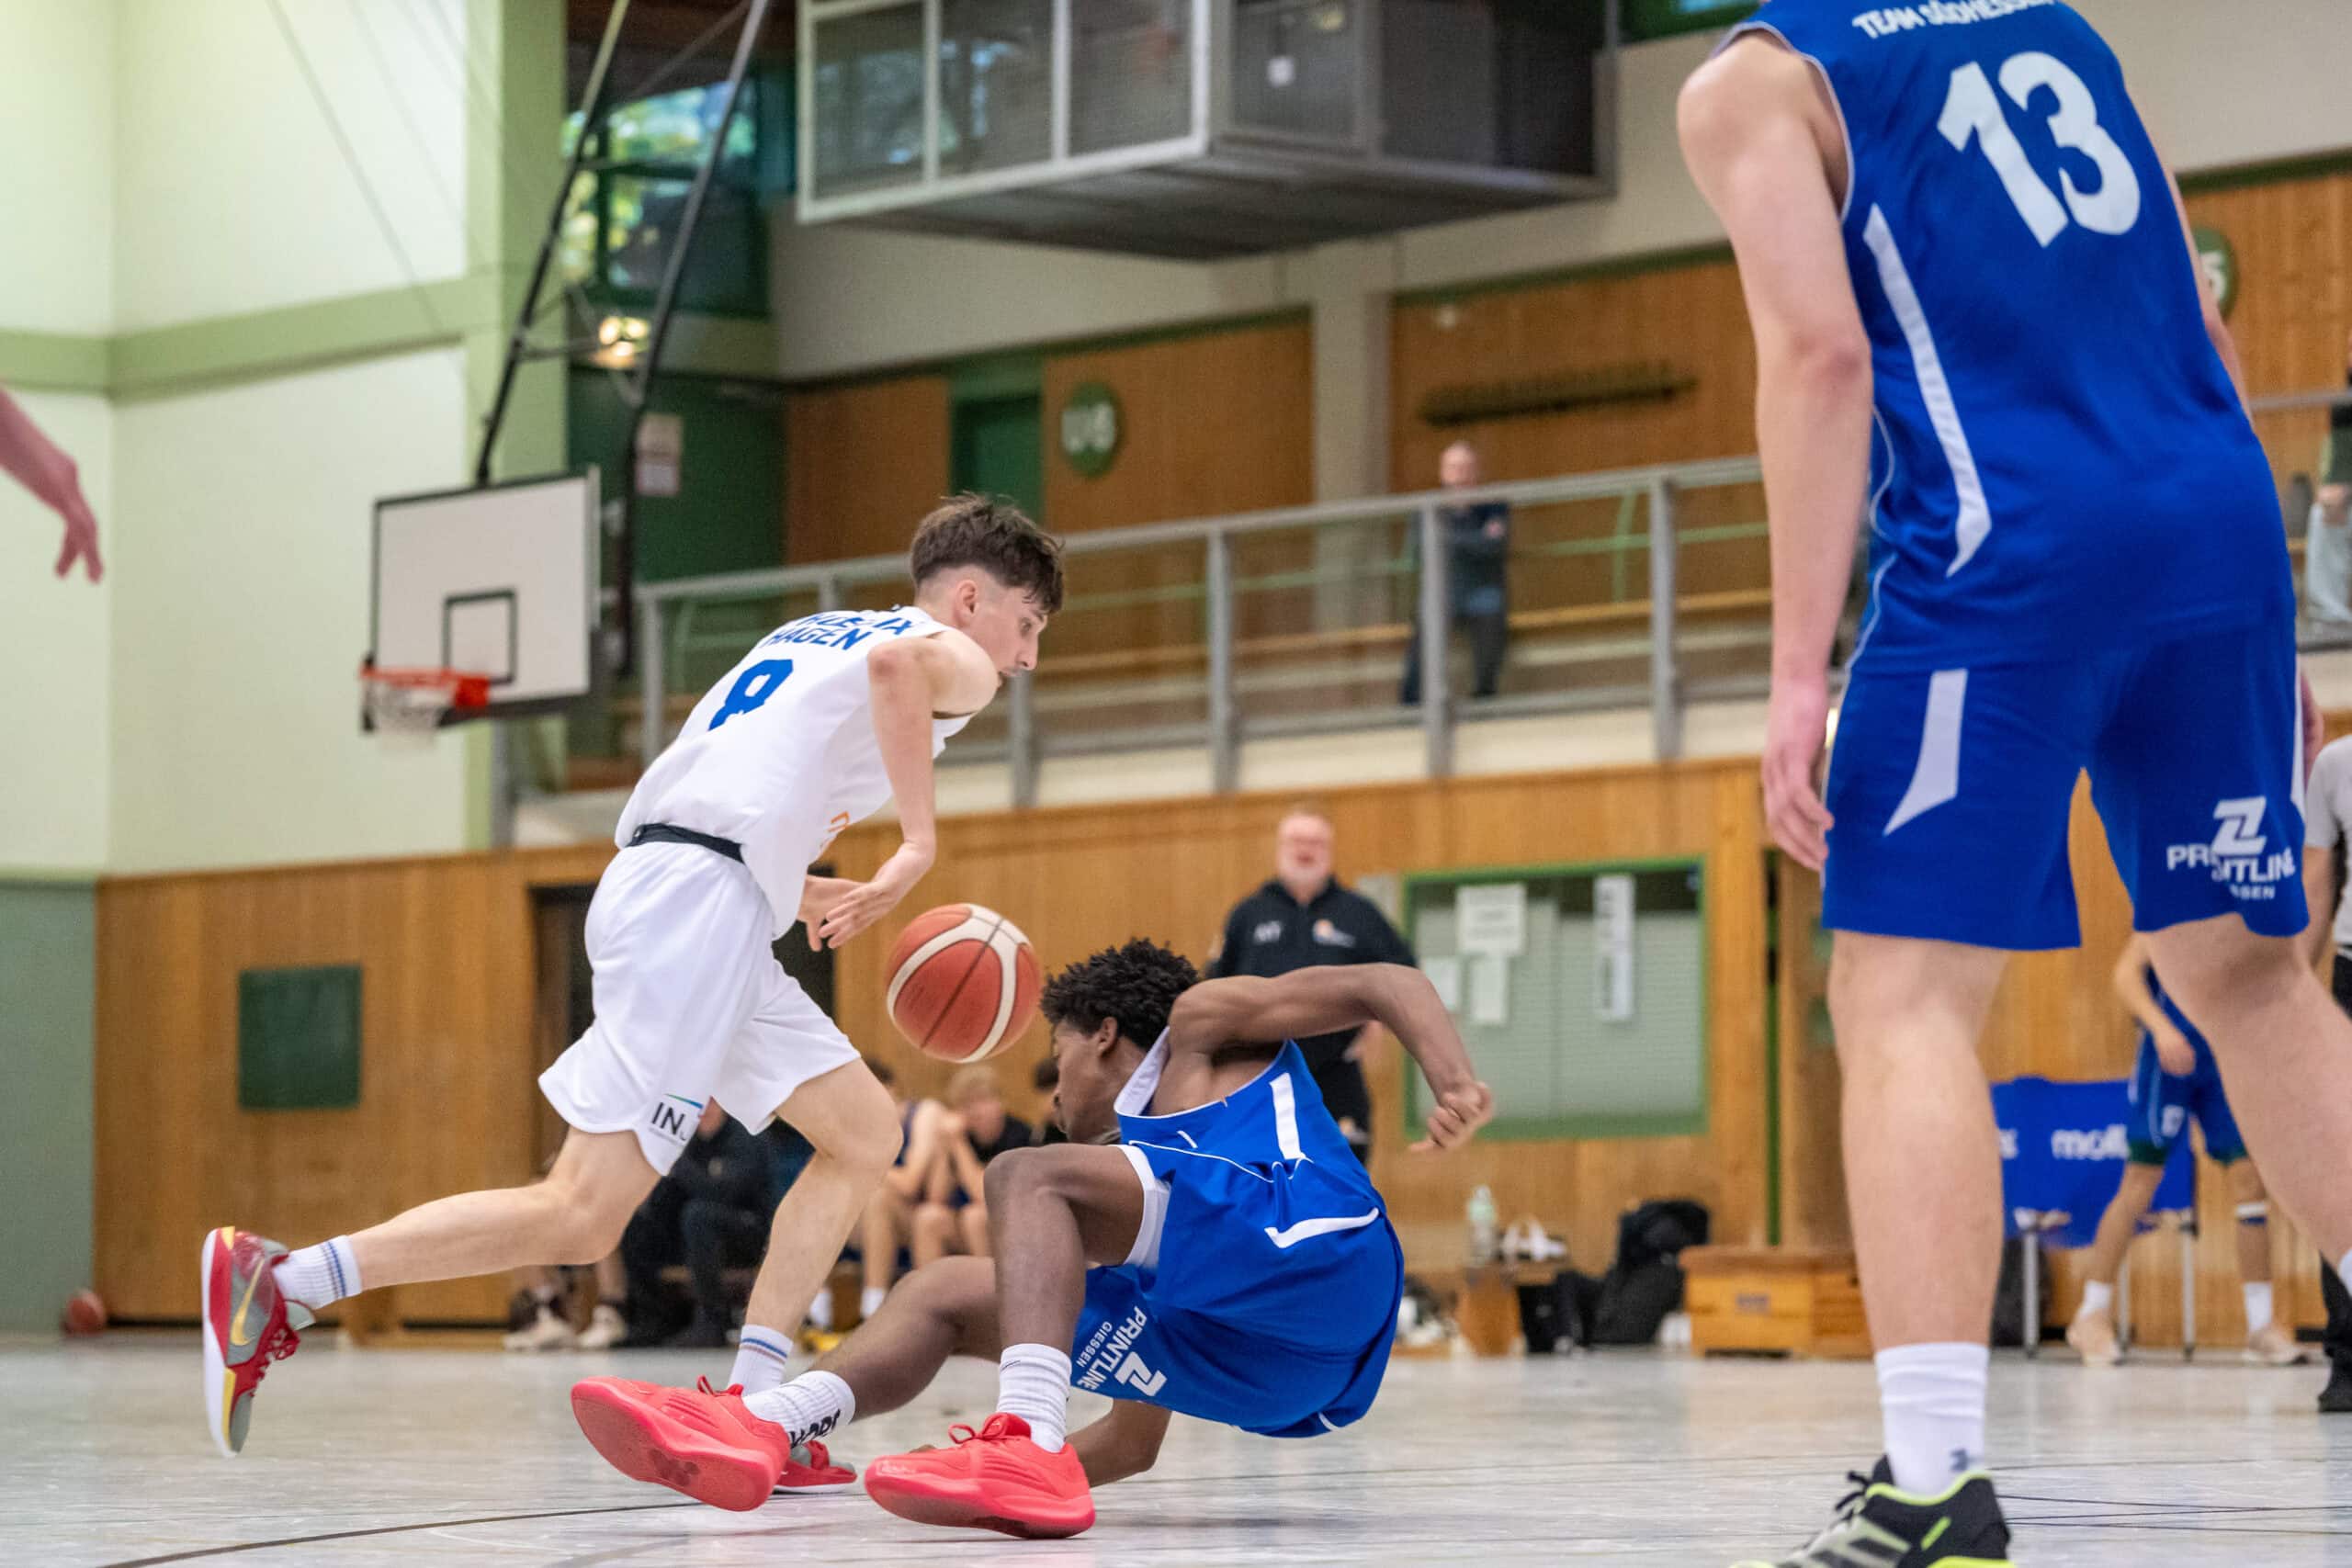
780, 755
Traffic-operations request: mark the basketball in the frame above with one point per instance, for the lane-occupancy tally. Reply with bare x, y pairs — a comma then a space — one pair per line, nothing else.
85, 1312
963, 983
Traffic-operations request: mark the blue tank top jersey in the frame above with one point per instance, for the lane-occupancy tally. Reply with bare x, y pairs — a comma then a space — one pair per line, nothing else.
2061, 464
1273, 1120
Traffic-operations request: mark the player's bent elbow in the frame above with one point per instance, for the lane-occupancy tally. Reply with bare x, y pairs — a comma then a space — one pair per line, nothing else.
1828, 359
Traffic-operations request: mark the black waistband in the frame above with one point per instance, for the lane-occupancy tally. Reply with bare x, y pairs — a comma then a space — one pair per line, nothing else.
663, 833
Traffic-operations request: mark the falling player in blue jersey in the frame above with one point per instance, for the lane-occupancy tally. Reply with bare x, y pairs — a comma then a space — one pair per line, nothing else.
1206, 1244
1978, 316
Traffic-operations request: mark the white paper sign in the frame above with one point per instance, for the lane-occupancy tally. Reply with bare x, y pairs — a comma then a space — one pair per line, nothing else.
1612, 948
1490, 989
1491, 918
1445, 975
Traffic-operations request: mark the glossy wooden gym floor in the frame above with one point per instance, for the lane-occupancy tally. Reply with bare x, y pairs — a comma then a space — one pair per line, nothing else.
468, 1458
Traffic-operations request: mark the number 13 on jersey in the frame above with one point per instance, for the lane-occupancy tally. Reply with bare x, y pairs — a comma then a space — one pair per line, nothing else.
1973, 113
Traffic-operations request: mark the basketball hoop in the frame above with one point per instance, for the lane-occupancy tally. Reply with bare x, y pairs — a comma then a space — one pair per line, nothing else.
407, 706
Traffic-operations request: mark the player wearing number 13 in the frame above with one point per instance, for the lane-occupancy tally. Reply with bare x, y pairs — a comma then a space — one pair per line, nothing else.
821, 723
1980, 319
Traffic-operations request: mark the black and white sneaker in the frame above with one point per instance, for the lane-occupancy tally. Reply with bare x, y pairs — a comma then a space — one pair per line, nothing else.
1879, 1526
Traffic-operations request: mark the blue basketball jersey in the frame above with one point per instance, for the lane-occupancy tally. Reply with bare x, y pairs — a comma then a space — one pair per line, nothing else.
1263, 1291
2061, 464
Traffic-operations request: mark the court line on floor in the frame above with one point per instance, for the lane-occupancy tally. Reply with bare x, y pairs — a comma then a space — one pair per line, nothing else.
388, 1530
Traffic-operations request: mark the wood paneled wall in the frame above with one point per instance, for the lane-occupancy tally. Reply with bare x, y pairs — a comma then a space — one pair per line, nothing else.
1210, 424
447, 1090
1080, 879
863, 464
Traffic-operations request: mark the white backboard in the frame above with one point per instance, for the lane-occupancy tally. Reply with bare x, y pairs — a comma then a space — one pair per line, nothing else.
498, 581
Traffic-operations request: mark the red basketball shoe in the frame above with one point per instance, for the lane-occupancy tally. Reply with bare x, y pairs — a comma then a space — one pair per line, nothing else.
700, 1441
247, 1326
994, 1479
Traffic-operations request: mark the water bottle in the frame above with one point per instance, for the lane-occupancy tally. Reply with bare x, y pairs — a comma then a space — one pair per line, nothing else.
1481, 1215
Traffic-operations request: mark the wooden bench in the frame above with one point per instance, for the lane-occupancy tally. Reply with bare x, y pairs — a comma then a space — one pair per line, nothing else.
1774, 1300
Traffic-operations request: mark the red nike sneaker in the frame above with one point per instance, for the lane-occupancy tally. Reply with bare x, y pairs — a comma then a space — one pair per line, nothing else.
247, 1326
700, 1441
994, 1479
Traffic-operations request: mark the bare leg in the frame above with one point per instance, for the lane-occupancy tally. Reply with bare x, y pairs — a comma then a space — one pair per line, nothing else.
1051, 1212
972, 1224
2254, 1236
1923, 1158
2122, 1221
2285, 1051
886, 1219
949, 1309
847, 1116
935, 1233
575, 1215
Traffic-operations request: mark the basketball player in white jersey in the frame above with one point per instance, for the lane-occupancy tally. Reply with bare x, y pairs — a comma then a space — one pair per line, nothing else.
819, 725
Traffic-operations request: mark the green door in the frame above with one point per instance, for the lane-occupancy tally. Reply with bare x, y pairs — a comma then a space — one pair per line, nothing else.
999, 449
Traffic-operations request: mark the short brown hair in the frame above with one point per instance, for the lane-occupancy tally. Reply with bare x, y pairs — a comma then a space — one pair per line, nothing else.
972, 1083
996, 536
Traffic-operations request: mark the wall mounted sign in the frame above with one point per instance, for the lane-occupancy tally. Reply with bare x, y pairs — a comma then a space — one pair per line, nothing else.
1091, 428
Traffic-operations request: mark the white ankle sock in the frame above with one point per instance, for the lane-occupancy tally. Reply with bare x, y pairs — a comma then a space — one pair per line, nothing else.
2096, 1298
322, 1275
869, 1300
761, 1356
1032, 1382
2257, 1306
1933, 1400
810, 1406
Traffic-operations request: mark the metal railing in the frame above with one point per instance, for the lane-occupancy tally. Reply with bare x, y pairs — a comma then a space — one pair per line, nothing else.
1272, 624
667, 612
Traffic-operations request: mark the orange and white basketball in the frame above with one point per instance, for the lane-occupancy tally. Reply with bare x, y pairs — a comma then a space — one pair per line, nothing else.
963, 983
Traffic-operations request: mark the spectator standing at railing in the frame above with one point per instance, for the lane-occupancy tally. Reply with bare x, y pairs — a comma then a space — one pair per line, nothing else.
1477, 539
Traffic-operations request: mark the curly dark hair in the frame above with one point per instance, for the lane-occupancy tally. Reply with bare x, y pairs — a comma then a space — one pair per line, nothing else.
1136, 983
998, 537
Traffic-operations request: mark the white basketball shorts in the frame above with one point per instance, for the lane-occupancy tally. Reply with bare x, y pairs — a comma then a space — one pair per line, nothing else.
691, 1005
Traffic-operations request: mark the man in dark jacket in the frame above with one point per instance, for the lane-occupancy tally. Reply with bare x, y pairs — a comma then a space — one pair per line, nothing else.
1303, 917
1478, 540
712, 1212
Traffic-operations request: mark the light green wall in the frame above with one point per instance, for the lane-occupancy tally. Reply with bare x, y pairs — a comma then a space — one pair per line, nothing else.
48, 947
240, 613
56, 154
54, 642
232, 191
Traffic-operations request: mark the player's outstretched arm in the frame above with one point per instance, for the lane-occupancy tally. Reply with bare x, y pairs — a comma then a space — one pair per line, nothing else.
1124, 1442
910, 681
1249, 1010
36, 462
1757, 134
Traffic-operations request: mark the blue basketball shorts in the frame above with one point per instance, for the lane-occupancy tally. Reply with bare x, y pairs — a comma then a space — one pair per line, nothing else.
1952, 791
2162, 1103
1234, 1308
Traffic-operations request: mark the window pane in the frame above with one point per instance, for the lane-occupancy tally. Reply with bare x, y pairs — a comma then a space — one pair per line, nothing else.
868, 119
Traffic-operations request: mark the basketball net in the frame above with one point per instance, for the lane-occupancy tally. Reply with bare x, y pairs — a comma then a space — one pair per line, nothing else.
407, 707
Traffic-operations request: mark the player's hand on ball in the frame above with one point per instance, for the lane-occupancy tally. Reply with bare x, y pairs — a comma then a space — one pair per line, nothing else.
1456, 1117
866, 902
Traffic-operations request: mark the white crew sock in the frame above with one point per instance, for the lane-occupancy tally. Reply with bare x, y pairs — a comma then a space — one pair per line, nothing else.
1032, 1382
2097, 1297
1933, 1400
761, 1356
2257, 1306
820, 1307
869, 1301
810, 1406
322, 1275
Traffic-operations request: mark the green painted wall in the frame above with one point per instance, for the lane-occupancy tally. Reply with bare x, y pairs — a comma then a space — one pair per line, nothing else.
47, 975
728, 512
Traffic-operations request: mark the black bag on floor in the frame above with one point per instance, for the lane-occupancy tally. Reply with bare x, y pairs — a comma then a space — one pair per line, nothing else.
1626, 1306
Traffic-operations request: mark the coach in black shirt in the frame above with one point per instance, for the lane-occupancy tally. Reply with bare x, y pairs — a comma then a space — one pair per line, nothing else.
1304, 918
